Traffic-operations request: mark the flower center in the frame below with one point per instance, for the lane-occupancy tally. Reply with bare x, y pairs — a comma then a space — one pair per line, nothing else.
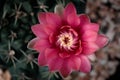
67, 40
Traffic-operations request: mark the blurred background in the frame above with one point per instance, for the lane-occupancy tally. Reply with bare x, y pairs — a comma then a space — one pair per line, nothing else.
19, 63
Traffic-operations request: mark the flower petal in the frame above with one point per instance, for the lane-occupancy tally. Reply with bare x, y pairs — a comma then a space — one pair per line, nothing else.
64, 54
49, 29
73, 20
53, 60
74, 63
84, 19
70, 8
85, 64
42, 18
53, 19
49, 18
90, 26
38, 30
65, 69
32, 43
59, 9
41, 45
79, 50
89, 35
55, 64
91, 57
50, 54
42, 60
89, 47
102, 40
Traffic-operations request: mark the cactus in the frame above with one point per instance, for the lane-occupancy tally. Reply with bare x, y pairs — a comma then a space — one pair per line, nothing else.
16, 18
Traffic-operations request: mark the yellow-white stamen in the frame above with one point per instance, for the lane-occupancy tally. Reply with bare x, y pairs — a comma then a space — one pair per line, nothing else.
66, 41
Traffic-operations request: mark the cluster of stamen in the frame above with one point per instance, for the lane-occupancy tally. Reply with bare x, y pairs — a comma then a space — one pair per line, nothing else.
67, 41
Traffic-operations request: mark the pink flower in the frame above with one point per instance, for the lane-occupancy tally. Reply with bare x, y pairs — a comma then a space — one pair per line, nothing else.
65, 41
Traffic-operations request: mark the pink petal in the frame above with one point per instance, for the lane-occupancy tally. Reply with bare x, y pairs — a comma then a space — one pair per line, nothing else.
89, 47
49, 19
85, 64
38, 30
78, 51
90, 26
102, 40
65, 69
49, 29
41, 45
89, 35
84, 19
53, 60
42, 18
32, 43
64, 54
52, 38
51, 54
42, 60
55, 64
53, 19
74, 63
73, 20
69, 9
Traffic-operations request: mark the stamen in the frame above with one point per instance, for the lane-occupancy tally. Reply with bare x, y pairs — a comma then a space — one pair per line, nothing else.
66, 41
